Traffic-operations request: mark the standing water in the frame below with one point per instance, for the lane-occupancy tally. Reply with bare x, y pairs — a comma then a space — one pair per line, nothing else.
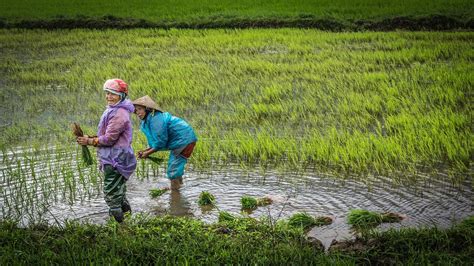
54, 189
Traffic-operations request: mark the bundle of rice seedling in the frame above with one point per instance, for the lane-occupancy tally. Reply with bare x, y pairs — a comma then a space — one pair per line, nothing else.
154, 193
364, 218
86, 154
302, 220
206, 198
155, 159
264, 201
248, 203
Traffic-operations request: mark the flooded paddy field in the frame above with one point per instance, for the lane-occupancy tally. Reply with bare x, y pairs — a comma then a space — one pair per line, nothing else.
56, 191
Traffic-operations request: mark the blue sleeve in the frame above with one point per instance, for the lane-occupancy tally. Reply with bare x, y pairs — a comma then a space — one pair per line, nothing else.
159, 130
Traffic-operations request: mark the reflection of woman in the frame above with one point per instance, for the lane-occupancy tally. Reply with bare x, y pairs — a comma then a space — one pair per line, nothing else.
164, 131
114, 138
179, 206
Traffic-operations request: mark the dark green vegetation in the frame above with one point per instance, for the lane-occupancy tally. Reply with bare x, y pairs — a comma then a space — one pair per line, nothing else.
226, 217
365, 103
206, 198
167, 240
306, 221
365, 218
322, 14
248, 203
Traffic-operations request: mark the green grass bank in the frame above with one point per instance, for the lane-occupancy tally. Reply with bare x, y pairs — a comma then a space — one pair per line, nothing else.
167, 240
334, 15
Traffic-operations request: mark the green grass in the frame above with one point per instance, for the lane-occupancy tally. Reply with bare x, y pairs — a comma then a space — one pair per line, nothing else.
368, 219
202, 10
206, 198
364, 218
226, 217
306, 221
171, 240
366, 103
248, 203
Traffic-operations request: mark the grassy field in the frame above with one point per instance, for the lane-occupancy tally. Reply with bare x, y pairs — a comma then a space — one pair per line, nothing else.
167, 240
355, 102
335, 15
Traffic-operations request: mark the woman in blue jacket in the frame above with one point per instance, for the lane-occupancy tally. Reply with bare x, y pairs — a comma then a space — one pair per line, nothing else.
164, 131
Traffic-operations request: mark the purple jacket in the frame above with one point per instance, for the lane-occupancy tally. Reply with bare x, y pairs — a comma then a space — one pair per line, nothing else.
115, 138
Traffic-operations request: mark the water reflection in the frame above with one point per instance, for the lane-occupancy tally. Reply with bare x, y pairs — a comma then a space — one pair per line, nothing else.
179, 205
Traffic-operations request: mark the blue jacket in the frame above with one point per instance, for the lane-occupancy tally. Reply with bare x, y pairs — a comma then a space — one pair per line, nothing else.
166, 132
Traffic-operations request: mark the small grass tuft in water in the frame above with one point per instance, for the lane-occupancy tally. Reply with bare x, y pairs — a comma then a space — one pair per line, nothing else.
155, 193
367, 219
206, 198
364, 218
306, 221
264, 201
248, 203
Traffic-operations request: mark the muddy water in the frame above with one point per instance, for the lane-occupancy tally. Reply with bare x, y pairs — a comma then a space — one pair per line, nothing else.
431, 202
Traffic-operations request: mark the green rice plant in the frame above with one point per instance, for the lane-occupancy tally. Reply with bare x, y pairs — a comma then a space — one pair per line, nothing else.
364, 103
86, 154
156, 160
264, 201
155, 193
225, 217
206, 198
248, 203
305, 221
364, 218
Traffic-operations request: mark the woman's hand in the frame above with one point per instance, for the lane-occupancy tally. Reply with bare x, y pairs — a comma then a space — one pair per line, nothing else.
142, 154
84, 141
145, 153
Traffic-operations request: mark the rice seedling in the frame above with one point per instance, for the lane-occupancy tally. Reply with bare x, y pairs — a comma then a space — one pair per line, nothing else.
156, 160
155, 193
248, 203
306, 221
206, 198
264, 201
359, 121
86, 154
364, 218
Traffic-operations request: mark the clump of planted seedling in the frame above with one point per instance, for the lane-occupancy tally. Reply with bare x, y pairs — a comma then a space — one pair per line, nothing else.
155, 193
206, 198
365, 218
306, 221
249, 203
264, 201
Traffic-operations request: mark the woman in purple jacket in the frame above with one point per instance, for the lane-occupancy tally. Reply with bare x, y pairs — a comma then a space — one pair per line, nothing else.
114, 138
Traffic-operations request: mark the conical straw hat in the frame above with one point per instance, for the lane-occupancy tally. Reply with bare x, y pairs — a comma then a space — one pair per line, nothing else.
147, 102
